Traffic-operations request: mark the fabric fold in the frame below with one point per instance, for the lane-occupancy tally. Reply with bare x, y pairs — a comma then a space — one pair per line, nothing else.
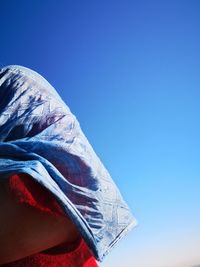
41, 137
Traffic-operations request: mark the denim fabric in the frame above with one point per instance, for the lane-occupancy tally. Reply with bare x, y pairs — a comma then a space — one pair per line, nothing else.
41, 137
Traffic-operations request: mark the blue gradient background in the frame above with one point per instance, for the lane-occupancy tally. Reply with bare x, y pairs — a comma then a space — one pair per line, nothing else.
129, 71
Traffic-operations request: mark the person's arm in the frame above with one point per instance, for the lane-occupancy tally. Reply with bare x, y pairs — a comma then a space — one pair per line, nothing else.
25, 231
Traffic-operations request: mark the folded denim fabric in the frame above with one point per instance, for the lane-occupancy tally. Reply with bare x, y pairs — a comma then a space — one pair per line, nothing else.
41, 137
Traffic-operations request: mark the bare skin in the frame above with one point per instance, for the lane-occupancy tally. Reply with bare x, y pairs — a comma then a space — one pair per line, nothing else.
25, 231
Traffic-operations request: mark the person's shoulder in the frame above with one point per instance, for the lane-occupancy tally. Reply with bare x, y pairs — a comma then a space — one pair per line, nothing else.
25, 230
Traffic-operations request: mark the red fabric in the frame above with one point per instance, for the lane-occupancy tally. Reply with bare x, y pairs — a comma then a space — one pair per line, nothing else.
28, 191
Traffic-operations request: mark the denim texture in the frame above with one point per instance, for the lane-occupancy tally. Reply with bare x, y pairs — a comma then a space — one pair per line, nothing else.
41, 137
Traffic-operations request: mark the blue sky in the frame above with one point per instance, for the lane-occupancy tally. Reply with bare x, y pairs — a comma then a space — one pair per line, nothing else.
129, 71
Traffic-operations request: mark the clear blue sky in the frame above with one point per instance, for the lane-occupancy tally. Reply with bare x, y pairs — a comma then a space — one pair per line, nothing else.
130, 72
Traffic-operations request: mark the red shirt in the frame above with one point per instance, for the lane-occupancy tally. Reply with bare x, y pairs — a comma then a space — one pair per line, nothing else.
28, 191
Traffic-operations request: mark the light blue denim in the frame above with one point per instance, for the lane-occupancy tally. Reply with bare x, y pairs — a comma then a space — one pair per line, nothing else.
41, 137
